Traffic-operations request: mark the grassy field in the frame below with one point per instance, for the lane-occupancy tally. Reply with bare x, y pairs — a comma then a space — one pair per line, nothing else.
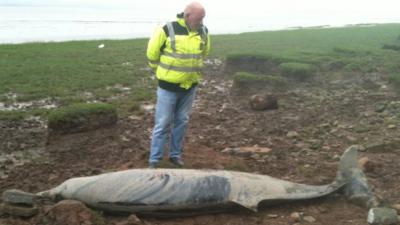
66, 71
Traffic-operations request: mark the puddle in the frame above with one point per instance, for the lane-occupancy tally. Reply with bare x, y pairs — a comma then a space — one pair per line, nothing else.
213, 62
46, 103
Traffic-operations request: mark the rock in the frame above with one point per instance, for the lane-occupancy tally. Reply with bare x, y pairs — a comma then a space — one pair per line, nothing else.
361, 148
396, 207
18, 197
382, 216
296, 217
231, 151
272, 215
366, 165
255, 156
131, 220
247, 151
263, 102
322, 209
18, 210
351, 139
309, 219
70, 212
391, 126
325, 125
292, 134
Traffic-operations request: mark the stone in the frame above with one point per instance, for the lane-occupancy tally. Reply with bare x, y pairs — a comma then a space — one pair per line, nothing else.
396, 207
18, 197
131, 220
263, 102
17, 210
382, 216
231, 151
309, 219
292, 134
391, 126
296, 217
272, 215
366, 165
254, 152
351, 139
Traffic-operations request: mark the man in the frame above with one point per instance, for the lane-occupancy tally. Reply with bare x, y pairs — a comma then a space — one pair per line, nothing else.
176, 52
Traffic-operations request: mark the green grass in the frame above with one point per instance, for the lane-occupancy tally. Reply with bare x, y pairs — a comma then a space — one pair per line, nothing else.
299, 71
246, 77
79, 114
63, 69
66, 70
394, 79
20, 115
327, 48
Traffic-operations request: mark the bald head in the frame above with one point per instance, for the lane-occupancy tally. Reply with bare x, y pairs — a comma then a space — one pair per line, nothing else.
194, 14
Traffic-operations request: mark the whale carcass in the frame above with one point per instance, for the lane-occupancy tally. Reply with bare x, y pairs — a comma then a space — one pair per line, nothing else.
184, 191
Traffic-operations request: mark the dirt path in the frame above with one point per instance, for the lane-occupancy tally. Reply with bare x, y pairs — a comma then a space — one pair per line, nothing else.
315, 122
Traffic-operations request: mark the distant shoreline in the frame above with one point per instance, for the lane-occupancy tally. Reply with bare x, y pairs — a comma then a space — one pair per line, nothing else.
131, 37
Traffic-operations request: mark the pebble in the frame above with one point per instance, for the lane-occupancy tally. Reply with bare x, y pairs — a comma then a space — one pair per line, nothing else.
351, 139
272, 215
132, 220
309, 219
263, 102
292, 134
296, 216
396, 207
366, 165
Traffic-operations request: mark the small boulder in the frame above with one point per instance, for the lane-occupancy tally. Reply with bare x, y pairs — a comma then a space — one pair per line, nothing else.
131, 220
396, 207
366, 165
263, 102
309, 219
296, 217
292, 134
382, 216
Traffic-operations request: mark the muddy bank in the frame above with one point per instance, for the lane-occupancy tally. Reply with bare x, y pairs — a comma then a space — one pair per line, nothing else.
314, 123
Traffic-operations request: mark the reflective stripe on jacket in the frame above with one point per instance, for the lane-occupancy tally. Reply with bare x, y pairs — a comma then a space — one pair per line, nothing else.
177, 54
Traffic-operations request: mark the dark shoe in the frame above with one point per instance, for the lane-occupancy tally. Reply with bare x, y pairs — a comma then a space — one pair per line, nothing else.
177, 162
153, 165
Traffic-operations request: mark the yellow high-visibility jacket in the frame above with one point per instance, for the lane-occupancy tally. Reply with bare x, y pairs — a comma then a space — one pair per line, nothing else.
176, 54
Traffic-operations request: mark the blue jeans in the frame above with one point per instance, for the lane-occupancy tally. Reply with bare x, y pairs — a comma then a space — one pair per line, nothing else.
172, 116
